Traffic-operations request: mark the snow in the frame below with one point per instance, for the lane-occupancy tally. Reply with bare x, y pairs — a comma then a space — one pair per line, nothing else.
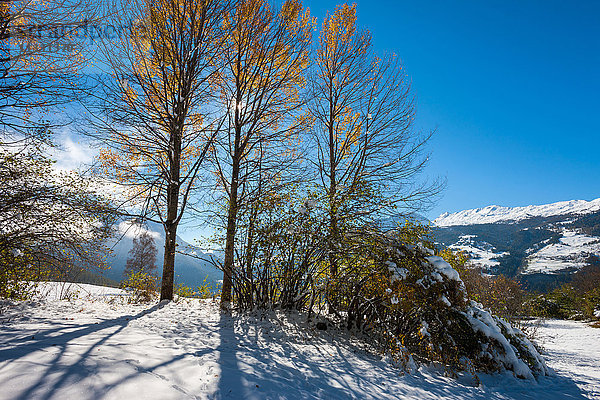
445, 300
494, 214
398, 274
482, 253
444, 268
98, 346
573, 351
571, 252
483, 322
423, 331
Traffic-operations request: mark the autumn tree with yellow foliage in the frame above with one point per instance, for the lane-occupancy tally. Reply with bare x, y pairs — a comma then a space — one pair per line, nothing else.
153, 114
40, 57
260, 87
368, 154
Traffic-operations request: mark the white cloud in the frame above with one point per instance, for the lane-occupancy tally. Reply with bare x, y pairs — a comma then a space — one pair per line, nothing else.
132, 230
72, 152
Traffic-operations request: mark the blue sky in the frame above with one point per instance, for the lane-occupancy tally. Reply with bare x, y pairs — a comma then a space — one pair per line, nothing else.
512, 88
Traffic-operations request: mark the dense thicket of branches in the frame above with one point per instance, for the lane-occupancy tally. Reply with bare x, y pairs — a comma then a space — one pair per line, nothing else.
50, 222
260, 80
41, 52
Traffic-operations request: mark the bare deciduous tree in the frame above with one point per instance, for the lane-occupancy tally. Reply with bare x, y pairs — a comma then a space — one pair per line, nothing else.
259, 85
154, 115
142, 256
368, 154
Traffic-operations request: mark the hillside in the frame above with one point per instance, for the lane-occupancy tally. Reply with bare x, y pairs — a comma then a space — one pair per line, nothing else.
189, 269
541, 245
96, 345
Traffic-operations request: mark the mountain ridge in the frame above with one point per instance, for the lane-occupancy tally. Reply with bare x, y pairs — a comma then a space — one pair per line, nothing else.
542, 246
495, 214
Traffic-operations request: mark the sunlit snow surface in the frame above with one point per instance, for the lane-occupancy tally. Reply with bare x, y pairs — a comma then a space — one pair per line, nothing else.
571, 252
98, 346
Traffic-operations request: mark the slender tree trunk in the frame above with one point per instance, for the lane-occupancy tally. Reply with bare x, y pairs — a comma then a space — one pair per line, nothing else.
333, 228
230, 234
168, 275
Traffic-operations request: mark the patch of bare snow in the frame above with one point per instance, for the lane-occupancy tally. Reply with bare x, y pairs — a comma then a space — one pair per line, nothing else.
572, 349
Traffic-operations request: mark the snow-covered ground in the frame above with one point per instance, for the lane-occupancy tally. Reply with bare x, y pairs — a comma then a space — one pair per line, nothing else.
481, 253
573, 351
572, 251
97, 346
494, 214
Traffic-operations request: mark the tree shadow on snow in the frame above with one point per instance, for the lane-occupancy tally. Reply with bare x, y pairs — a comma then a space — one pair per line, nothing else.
59, 374
261, 360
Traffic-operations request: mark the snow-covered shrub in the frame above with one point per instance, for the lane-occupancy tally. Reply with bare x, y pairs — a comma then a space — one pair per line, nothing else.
391, 288
435, 321
501, 295
416, 306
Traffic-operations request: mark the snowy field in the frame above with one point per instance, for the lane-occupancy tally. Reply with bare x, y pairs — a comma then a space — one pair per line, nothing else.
572, 251
481, 253
97, 346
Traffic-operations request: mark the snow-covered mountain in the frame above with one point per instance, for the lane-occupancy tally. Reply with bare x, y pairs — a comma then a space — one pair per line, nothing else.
496, 214
541, 245
189, 269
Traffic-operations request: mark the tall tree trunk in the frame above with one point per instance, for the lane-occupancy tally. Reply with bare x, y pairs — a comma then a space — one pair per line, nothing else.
171, 222
231, 224
333, 223
230, 238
